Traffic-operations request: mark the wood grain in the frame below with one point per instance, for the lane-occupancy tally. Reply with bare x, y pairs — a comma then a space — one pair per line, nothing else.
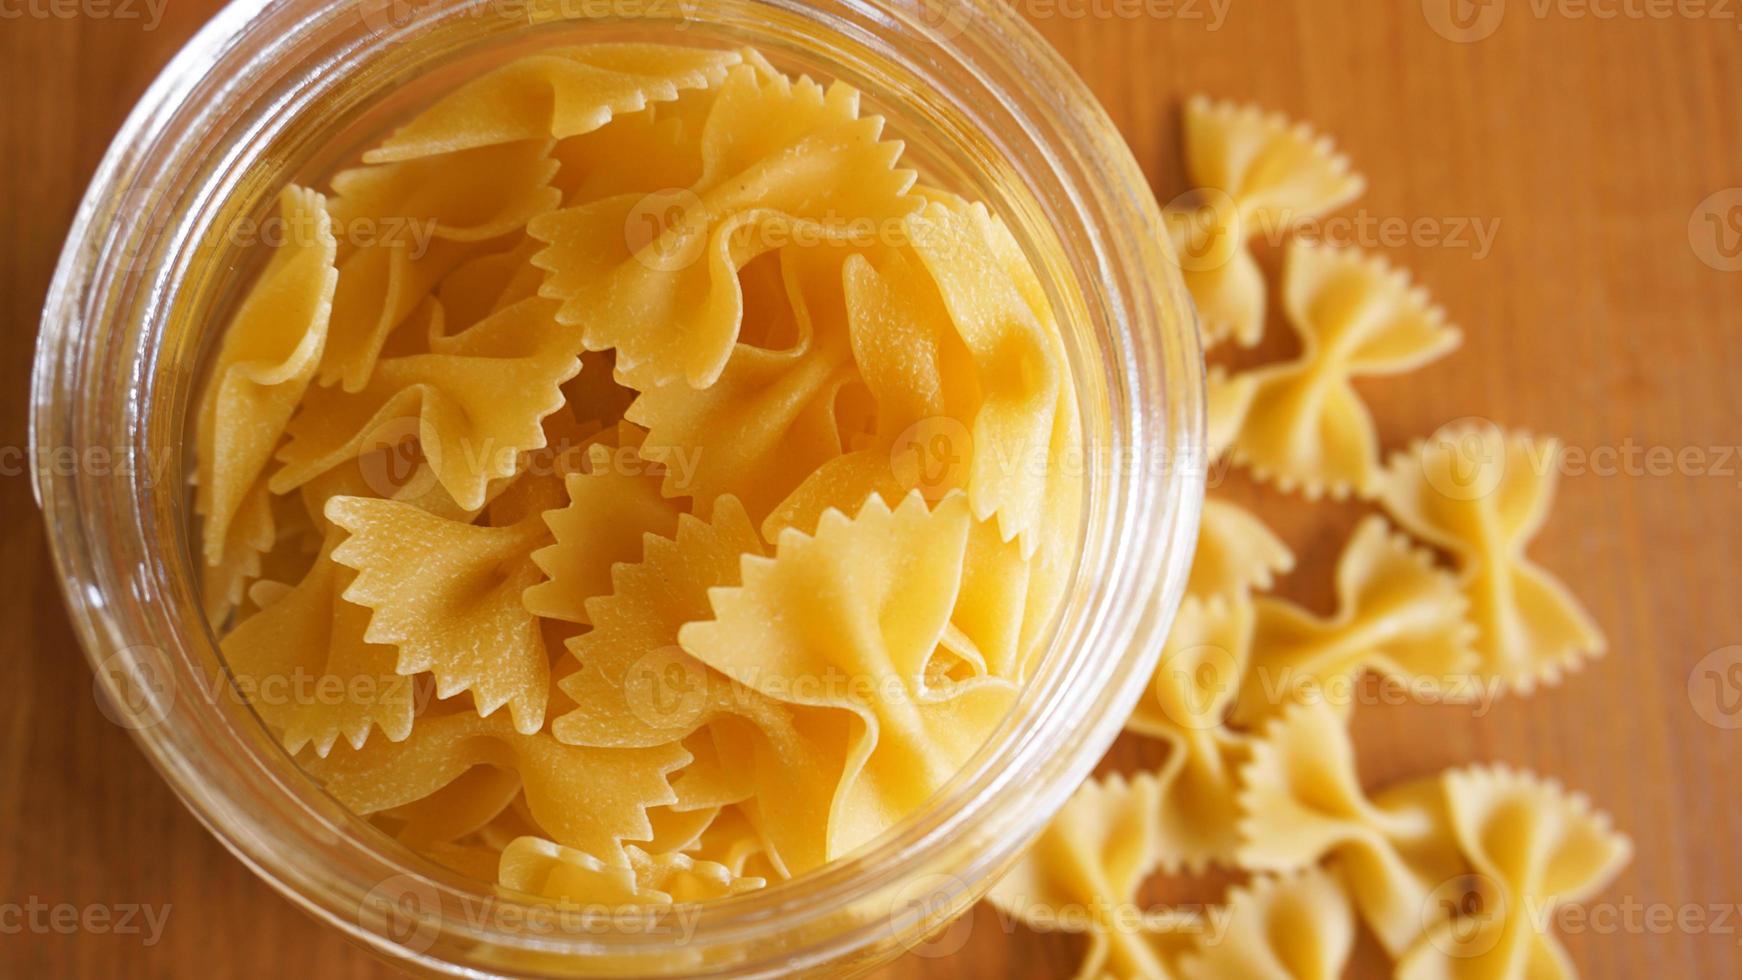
1589, 140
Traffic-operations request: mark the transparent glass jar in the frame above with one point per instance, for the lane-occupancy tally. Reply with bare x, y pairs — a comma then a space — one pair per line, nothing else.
272, 91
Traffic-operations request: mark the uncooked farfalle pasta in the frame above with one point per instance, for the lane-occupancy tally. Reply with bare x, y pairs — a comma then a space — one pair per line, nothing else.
1450, 873
633, 527
593, 535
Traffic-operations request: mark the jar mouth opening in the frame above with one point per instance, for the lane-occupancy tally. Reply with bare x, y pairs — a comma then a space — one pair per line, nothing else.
111, 372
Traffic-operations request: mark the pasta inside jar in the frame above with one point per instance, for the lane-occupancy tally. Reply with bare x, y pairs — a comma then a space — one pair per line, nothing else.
669, 489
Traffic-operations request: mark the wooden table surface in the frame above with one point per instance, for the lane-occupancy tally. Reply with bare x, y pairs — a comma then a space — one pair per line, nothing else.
1607, 310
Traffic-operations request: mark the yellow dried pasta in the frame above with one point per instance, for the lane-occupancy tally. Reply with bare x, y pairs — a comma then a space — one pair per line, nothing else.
1306, 427
1289, 927
849, 618
769, 419
1531, 846
474, 406
1235, 554
267, 357
1302, 801
609, 510
1445, 869
407, 225
1021, 374
656, 609
1186, 706
1253, 174
308, 643
1483, 494
549, 870
447, 595
671, 307
586, 798
1397, 615
560, 92
1086, 873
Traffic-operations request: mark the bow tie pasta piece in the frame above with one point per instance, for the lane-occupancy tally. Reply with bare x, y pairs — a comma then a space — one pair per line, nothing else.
918, 372
1006, 602
585, 798
1253, 174
771, 417
1396, 614
1199, 671
1085, 872
487, 284
1292, 927
1021, 376
1356, 316
655, 276
447, 595
268, 355
558, 93
474, 407
248, 541
286, 547
637, 687
468, 196
549, 870
1065, 461
1185, 706
1302, 801
405, 226
657, 148
710, 781
571, 447
849, 619
475, 861
1236, 554
291, 657
1483, 495
1083, 875
1227, 402
732, 840
460, 809
610, 510
1532, 845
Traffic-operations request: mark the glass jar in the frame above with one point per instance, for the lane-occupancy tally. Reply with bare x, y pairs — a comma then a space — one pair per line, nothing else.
279, 90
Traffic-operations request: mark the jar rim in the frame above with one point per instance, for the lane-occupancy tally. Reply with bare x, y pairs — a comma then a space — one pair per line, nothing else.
103, 526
